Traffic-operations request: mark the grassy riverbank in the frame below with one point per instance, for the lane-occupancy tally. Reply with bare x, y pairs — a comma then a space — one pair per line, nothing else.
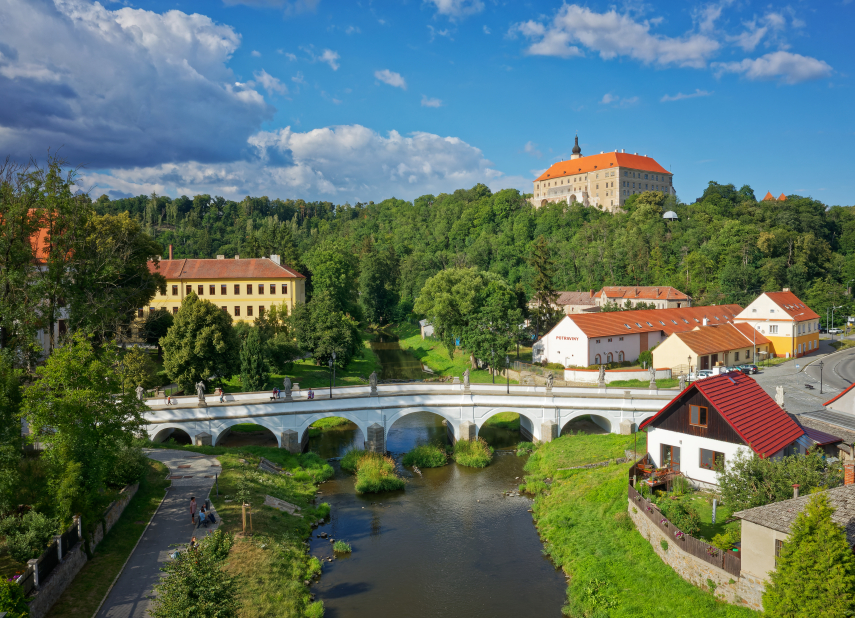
426, 456
374, 472
273, 563
473, 453
613, 570
85, 593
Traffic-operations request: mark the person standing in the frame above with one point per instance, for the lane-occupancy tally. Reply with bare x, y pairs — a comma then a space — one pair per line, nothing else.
193, 510
221, 394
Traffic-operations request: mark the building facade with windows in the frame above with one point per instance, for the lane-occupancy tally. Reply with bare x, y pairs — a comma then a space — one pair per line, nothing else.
586, 339
708, 346
245, 288
791, 326
664, 297
603, 181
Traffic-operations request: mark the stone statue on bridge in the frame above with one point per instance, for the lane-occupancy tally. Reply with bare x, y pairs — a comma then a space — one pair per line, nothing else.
140, 393
550, 380
200, 391
372, 380
682, 382
779, 396
466, 380
652, 373
286, 386
601, 378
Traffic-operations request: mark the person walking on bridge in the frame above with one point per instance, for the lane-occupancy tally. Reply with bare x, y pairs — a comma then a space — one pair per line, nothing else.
193, 510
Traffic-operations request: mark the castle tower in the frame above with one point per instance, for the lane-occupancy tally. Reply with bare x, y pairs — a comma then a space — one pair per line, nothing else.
577, 152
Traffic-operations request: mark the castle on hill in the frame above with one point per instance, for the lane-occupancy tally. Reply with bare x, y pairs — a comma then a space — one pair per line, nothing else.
603, 180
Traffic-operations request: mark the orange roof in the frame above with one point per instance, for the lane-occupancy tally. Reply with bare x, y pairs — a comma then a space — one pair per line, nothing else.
713, 339
782, 198
596, 163
251, 268
792, 306
669, 321
769, 197
642, 292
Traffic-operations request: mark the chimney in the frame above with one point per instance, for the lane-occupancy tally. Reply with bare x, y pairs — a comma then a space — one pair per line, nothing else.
170, 252
237, 257
786, 289
221, 257
705, 322
795, 491
274, 259
849, 473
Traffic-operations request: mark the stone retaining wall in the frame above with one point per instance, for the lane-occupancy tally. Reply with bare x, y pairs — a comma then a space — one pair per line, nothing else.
746, 591
50, 590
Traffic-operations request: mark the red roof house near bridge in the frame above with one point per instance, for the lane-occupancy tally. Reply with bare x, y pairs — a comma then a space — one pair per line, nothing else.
713, 419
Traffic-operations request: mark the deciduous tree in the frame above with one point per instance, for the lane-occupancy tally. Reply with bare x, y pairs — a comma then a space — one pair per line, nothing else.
322, 328
253, 366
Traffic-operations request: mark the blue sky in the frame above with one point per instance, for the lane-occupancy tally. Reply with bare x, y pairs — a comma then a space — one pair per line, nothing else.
358, 101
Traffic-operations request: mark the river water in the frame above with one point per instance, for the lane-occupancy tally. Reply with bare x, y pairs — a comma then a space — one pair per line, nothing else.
448, 545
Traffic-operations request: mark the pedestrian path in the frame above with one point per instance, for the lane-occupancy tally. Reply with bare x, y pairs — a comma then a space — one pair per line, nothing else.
192, 475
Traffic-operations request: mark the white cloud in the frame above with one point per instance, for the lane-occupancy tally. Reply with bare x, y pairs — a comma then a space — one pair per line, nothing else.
457, 8
104, 88
429, 102
486, 30
445, 32
255, 53
331, 58
680, 96
787, 67
611, 34
608, 98
616, 101
531, 148
290, 56
352, 29
341, 162
298, 78
390, 77
269, 83
290, 7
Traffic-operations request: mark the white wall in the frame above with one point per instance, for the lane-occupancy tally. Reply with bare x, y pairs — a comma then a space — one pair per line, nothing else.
690, 455
592, 375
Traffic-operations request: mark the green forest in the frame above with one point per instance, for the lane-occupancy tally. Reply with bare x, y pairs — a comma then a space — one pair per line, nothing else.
726, 247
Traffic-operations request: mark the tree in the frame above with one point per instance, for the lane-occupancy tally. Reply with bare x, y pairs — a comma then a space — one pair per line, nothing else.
73, 411
544, 312
815, 572
491, 332
377, 279
322, 328
10, 434
334, 271
196, 585
155, 326
253, 367
200, 345
139, 370
280, 347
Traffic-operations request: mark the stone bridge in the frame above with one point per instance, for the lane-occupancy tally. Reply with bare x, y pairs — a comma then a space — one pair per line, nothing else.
543, 413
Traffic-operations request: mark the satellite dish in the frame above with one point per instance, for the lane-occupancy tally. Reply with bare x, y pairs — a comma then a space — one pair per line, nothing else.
670, 215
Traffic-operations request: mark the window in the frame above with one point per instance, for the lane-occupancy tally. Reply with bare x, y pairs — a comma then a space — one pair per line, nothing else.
249, 311
597, 359
174, 310
237, 288
610, 339
225, 309
598, 341
609, 358
201, 289
670, 457
753, 311
698, 416
779, 545
261, 288
620, 356
223, 289
189, 290
620, 338
151, 309
212, 289
260, 311
139, 313
736, 356
175, 290
249, 288
237, 311
773, 329
273, 288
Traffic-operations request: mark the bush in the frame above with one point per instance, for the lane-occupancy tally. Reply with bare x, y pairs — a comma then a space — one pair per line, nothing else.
683, 516
351, 459
681, 485
473, 453
12, 600
330, 422
129, 466
315, 610
426, 456
525, 448
340, 547
376, 473
533, 487
27, 536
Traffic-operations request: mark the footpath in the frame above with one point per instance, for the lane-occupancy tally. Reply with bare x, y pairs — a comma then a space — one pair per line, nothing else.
192, 474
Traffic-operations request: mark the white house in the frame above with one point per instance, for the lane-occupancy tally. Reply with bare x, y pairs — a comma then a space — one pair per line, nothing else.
791, 326
588, 339
706, 425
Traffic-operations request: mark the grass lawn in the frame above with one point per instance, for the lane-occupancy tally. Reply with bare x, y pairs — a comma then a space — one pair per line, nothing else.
664, 383
841, 345
273, 563
613, 570
703, 505
309, 375
433, 354
505, 420
90, 586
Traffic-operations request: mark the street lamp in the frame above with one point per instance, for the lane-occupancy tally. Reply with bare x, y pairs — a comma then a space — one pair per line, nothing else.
832, 319
820, 377
508, 372
332, 371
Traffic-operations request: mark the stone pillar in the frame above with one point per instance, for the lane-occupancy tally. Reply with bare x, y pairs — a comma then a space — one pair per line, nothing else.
290, 440
548, 431
34, 565
202, 439
467, 430
627, 427
58, 539
376, 439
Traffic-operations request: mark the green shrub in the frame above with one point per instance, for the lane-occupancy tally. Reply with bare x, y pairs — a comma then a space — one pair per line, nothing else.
664, 544
27, 536
315, 610
12, 600
473, 453
340, 547
525, 448
313, 567
681, 486
128, 467
534, 487
351, 459
426, 456
323, 510
329, 422
376, 473
683, 516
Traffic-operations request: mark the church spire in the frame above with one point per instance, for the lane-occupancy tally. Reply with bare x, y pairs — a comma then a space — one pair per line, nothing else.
577, 152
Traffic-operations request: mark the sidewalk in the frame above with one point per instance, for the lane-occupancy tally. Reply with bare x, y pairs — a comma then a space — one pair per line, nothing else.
192, 475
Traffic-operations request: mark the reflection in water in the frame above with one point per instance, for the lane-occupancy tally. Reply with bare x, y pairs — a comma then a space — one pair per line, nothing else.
397, 364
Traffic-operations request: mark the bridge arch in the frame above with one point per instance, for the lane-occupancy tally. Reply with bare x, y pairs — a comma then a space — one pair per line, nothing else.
217, 439
303, 429
587, 422
220, 429
164, 433
530, 420
453, 421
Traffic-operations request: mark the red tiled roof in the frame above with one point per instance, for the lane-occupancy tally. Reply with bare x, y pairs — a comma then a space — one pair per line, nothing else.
600, 162
840, 394
768, 197
782, 198
608, 323
251, 268
791, 304
642, 292
575, 298
755, 416
712, 339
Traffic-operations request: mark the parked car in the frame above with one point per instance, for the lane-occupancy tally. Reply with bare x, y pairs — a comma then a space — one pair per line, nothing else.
834, 331
749, 368
744, 369
700, 375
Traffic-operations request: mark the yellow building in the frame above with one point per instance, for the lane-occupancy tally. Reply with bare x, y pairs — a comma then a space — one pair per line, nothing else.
245, 288
791, 326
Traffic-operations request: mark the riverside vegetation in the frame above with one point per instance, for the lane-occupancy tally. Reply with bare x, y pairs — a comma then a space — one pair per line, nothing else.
473, 453
375, 473
426, 456
582, 519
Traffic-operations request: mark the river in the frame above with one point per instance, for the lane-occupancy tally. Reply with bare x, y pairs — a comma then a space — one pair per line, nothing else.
448, 545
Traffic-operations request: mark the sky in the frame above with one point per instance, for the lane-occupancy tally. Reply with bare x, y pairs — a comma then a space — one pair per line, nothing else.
366, 100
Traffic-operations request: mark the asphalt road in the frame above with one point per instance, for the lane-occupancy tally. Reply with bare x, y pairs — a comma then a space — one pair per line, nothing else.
837, 372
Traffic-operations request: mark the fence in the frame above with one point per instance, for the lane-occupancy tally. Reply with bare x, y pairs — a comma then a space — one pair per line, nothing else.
725, 560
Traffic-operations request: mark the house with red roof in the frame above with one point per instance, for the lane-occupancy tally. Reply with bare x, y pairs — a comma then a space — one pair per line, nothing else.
707, 424
661, 296
791, 326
